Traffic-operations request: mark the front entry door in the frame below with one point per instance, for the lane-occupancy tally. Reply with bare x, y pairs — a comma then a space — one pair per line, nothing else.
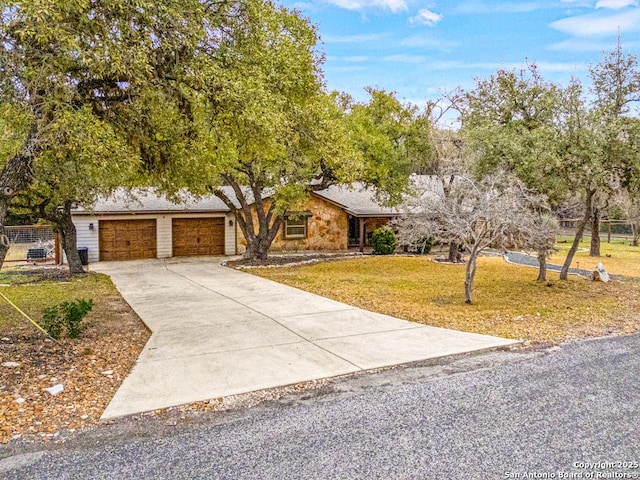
354, 231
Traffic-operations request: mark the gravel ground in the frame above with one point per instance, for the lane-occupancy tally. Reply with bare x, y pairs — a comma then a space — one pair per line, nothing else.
499, 415
90, 369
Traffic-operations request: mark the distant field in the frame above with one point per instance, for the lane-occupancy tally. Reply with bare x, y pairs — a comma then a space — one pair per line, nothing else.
623, 259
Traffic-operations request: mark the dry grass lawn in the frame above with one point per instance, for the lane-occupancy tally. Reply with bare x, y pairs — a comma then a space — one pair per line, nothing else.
623, 260
508, 302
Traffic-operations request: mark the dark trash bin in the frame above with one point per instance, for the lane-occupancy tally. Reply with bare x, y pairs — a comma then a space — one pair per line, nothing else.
84, 255
36, 253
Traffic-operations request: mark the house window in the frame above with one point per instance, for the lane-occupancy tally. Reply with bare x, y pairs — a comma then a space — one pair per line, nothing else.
295, 227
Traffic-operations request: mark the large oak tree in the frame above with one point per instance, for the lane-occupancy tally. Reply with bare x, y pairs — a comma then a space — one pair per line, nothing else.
270, 132
129, 63
87, 161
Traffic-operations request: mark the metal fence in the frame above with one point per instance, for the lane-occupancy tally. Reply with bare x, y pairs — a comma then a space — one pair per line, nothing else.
30, 242
619, 230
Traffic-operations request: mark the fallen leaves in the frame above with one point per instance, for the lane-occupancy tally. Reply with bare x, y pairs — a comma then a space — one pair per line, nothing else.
113, 344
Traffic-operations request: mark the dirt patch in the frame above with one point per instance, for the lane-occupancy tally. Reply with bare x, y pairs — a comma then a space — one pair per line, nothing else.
445, 261
24, 275
90, 369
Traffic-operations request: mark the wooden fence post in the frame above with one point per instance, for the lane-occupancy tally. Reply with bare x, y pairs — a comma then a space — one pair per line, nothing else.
56, 249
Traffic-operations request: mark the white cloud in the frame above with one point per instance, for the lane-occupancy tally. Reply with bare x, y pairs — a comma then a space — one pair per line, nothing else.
426, 17
596, 24
616, 4
457, 65
360, 5
562, 67
349, 59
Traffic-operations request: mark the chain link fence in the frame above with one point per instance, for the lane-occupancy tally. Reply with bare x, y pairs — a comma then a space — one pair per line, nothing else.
30, 242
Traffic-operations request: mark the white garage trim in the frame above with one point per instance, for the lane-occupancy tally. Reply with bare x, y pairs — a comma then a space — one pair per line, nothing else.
88, 230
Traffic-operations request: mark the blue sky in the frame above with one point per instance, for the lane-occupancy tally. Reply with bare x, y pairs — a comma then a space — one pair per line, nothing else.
419, 48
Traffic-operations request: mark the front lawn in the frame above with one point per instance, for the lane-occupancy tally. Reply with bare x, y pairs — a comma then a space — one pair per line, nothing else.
508, 302
90, 369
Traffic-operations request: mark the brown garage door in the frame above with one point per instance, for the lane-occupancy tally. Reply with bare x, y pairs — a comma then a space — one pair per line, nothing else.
198, 236
127, 239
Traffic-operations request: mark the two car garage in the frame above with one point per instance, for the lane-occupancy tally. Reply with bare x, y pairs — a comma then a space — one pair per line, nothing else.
139, 238
141, 223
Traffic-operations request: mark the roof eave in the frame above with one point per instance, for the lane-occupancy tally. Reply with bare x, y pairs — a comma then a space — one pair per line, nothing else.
144, 212
372, 215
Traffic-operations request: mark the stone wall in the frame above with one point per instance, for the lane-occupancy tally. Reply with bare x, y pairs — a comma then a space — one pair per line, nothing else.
327, 229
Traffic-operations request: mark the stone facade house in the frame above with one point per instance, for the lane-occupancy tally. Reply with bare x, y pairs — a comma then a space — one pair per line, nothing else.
337, 218
147, 225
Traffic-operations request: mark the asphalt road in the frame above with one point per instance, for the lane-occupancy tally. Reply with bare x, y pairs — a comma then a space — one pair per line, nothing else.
568, 412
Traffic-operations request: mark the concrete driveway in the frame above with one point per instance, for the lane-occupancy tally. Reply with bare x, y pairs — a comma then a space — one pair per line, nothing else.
219, 332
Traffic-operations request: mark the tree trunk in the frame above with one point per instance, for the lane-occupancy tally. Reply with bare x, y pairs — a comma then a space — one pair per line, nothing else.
542, 272
470, 273
595, 233
4, 240
258, 245
634, 230
256, 250
15, 177
252, 216
564, 273
68, 237
453, 252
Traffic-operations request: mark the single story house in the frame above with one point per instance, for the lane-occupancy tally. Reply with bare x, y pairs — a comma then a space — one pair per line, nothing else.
147, 225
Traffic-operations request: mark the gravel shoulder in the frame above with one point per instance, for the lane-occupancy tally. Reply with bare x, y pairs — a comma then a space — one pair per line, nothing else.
542, 411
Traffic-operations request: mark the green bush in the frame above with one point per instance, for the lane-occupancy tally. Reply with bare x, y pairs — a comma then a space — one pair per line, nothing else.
424, 245
383, 241
67, 316
52, 322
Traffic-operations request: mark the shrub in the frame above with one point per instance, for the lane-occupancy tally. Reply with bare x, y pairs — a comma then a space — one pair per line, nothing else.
52, 322
383, 241
67, 316
424, 245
